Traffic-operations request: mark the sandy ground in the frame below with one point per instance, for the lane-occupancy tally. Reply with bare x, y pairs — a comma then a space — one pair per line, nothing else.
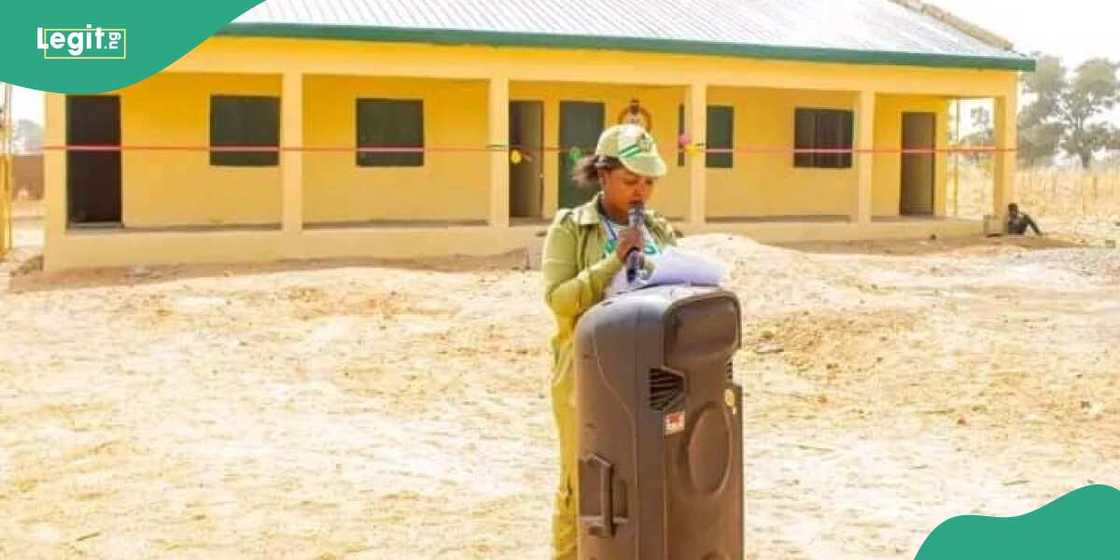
365, 410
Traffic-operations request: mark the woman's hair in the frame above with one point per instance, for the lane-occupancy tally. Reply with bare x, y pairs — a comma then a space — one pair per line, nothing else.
586, 171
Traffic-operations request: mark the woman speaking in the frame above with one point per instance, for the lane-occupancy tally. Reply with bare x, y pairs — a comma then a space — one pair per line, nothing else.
585, 250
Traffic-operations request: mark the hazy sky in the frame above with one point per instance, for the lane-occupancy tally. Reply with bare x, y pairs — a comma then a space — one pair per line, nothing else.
1073, 29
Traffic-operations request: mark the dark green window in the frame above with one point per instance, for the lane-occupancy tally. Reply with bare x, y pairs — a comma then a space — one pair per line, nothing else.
721, 130
237, 120
823, 129
390, 123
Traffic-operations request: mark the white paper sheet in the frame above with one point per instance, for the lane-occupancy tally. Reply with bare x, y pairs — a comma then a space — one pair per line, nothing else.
679, 267
673, 266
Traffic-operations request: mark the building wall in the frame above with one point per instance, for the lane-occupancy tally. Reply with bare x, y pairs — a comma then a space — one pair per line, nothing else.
180, 188
450, 186
767, 184
173, 188
162, 188
670, 195
887, 187
241, 54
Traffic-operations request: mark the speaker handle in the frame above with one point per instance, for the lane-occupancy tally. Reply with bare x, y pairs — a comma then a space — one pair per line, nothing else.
603, 525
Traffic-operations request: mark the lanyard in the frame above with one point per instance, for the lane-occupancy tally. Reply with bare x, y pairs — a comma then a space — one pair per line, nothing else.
612, 235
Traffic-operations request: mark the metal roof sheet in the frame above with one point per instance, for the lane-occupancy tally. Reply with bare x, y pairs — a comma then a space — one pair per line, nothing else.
863, 31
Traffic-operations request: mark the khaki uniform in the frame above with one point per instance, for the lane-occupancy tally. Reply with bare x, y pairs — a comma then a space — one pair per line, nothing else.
576, 271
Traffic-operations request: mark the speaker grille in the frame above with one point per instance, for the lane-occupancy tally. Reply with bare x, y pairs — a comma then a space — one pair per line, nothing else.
665, 389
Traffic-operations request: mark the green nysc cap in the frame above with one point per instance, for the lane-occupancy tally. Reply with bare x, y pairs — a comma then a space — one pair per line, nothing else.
634, 147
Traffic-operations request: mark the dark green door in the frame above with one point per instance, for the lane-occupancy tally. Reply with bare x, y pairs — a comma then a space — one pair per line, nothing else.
918, 133
93, 178
580, 125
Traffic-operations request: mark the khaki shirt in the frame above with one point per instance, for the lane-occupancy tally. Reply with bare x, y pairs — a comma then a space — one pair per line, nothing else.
576, 271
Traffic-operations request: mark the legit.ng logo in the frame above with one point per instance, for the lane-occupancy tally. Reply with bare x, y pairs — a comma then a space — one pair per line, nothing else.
88, 43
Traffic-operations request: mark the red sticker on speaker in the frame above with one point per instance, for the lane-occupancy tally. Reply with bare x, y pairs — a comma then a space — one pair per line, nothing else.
674, 423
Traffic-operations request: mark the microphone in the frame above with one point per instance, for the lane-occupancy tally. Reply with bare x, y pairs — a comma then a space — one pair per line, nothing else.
636, 259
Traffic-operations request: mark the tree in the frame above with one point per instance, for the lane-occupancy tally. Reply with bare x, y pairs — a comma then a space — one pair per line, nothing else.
28, 136
1065, 112
1094, 90
983, 135
1039, 132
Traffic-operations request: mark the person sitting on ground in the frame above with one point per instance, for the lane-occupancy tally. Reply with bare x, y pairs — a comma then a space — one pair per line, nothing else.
1018, 222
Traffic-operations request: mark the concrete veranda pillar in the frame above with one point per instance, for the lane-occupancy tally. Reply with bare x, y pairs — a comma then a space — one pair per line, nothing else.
865, 159
54, 179
498, 140
1004, 160
696, 111
291, 160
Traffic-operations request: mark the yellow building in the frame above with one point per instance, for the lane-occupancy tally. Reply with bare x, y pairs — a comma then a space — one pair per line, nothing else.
371, 128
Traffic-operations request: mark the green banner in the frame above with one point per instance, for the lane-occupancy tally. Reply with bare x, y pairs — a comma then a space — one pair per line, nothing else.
1082, 525
82, 46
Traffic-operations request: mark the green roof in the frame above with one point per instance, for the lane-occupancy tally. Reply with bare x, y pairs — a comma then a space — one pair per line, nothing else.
845, 31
